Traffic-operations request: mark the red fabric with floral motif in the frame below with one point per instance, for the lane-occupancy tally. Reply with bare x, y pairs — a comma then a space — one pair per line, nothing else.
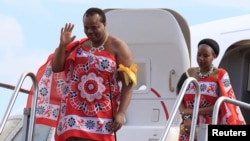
86, 94
210, 89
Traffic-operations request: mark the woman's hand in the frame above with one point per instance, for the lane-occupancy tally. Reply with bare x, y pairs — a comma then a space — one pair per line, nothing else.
187, 111
65, 37
187, 124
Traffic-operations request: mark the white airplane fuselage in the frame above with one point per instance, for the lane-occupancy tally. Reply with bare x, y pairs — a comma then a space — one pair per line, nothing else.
164, 46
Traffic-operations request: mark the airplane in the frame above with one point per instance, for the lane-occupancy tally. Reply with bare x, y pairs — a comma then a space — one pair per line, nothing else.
164, 46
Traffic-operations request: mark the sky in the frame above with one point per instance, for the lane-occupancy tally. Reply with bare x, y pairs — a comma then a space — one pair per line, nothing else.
29, 29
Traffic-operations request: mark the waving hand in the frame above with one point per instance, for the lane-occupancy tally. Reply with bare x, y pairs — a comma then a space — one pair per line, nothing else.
66, 36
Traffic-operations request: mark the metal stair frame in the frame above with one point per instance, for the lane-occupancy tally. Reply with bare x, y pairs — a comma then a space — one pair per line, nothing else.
29, 114
176, 108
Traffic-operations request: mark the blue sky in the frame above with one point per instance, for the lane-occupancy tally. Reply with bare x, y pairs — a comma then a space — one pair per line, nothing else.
29, 29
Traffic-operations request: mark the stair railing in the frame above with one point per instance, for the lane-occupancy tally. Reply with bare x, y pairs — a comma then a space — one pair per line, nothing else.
228, 100
26, 136
177, 105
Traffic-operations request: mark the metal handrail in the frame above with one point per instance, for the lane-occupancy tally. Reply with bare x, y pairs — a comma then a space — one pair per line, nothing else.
13, 99
229, 100
11, 87
177, 105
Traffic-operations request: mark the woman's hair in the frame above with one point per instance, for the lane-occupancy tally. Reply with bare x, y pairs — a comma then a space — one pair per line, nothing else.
180, 82
212, 43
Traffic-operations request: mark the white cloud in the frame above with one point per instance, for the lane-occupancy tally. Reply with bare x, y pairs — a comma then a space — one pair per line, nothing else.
11, 39
10, 33
26, 61
15, 58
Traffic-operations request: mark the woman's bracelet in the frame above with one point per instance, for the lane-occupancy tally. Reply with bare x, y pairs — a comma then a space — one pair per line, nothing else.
184, 117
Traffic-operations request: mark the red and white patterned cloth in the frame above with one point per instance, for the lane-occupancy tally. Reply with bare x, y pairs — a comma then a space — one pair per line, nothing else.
211, 88
81, 100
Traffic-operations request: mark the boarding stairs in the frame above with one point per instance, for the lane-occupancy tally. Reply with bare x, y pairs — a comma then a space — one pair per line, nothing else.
28, 125
28, 114
203, 128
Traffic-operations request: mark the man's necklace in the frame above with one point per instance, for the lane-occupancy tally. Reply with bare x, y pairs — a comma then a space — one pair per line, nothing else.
200, 75
99, 48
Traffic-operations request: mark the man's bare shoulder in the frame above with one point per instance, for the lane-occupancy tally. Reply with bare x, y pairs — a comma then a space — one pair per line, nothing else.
115, 41
121, 50
116, 45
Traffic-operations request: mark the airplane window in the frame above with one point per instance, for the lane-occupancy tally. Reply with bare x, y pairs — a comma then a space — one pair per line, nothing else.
142, 75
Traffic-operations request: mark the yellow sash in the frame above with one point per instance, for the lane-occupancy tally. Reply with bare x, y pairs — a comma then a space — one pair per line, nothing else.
130, 74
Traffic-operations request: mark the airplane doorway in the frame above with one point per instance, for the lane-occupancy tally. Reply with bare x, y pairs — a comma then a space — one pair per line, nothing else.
236, 61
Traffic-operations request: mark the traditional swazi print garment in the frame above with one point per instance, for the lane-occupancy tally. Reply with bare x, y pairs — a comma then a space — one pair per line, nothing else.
211, 88
86, 95
50, 89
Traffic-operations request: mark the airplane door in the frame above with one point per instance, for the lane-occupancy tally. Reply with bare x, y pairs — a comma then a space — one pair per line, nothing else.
161, 51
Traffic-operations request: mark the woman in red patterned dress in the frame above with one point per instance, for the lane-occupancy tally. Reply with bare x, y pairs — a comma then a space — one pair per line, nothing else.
213, 82
99, 77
